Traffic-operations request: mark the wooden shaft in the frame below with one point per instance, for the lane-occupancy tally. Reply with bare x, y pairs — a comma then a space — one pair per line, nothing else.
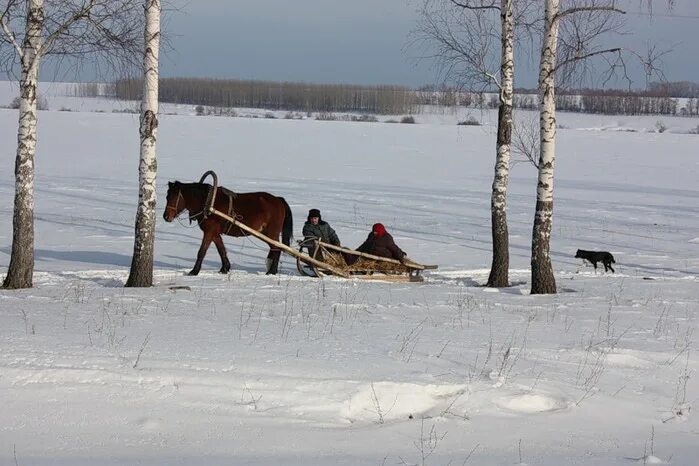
282, 246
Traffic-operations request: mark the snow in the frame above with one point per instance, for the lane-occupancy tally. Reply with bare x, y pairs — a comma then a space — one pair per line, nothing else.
252, 369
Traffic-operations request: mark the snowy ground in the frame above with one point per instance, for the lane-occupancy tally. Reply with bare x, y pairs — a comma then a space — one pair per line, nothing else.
251, 369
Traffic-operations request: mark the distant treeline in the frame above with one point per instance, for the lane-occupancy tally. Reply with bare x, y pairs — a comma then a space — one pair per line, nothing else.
385, 100
659, 99
676, 89
93, 90
654, 101
584, 101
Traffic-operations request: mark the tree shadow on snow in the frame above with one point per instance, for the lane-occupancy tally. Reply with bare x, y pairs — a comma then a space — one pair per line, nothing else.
91, 257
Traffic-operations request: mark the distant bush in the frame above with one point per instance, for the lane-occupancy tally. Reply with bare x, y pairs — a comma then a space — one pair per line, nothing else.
202, 110
391, 121
65, 109
694, 130
470, 121
125, 110
408, 119
224, 111
324, 116
41, 103
364, 118
270, 116
660, 126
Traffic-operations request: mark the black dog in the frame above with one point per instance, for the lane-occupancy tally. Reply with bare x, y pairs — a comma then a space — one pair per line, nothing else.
594, 257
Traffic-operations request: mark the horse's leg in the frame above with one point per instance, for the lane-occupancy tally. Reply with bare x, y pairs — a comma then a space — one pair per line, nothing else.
273, 261
273, 230
225, 263
205, 243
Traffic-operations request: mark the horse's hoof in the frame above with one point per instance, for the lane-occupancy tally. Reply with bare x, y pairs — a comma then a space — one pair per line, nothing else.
224, 271
193, 273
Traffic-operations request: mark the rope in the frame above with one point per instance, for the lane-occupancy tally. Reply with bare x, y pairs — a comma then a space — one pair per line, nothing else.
179, 220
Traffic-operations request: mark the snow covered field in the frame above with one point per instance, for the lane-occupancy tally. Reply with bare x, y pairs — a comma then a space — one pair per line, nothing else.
254, 369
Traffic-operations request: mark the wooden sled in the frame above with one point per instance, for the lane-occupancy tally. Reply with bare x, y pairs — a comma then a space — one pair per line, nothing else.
355, 264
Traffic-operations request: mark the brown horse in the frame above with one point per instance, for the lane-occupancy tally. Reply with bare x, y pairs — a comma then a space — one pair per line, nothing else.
261, 211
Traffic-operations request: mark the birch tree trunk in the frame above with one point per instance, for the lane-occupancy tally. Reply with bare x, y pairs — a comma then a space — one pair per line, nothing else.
543, 281
21, 270
141, 273
499, 269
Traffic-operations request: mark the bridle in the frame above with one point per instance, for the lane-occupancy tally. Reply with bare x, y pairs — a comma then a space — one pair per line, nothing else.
177, 203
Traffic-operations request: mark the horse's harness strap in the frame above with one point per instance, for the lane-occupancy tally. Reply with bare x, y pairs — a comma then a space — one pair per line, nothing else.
210, 202
230, 212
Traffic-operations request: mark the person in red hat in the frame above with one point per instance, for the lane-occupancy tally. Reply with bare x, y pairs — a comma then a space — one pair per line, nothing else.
380, 243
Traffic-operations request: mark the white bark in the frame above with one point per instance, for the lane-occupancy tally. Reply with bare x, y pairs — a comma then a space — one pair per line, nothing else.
142, 263
21, 269
500, 266
547, 103
543, 281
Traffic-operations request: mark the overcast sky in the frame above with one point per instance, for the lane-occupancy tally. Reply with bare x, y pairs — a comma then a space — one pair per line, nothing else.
362, 41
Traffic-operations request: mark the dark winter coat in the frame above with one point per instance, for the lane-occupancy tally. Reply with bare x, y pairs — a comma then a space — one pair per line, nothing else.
322, 230
383, 246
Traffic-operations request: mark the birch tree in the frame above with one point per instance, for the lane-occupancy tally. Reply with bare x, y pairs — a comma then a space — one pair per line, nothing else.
20, 271
141, 273
586, 21
30, 31
499, 269
464, 35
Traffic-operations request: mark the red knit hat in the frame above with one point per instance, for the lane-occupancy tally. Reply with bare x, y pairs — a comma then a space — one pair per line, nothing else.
379, 229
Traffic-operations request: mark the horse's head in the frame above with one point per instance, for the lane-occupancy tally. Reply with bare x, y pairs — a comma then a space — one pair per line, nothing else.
175, 201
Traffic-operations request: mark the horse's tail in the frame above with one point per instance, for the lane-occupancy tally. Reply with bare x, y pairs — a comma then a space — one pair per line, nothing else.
288, 228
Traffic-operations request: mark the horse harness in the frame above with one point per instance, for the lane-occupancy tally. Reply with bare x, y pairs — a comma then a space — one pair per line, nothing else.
230, 212
203, 214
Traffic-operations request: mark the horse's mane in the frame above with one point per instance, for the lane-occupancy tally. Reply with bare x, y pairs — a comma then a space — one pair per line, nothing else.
206, 187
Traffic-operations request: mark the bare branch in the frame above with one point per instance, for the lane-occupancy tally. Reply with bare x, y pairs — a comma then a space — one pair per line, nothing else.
468, 6
4, 23
79, 14
460, 41
581, 28
525, 139
584, 57
574, 10
105, 35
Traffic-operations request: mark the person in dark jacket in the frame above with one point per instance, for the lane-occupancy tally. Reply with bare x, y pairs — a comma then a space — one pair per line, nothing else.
380, 243
315, 227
